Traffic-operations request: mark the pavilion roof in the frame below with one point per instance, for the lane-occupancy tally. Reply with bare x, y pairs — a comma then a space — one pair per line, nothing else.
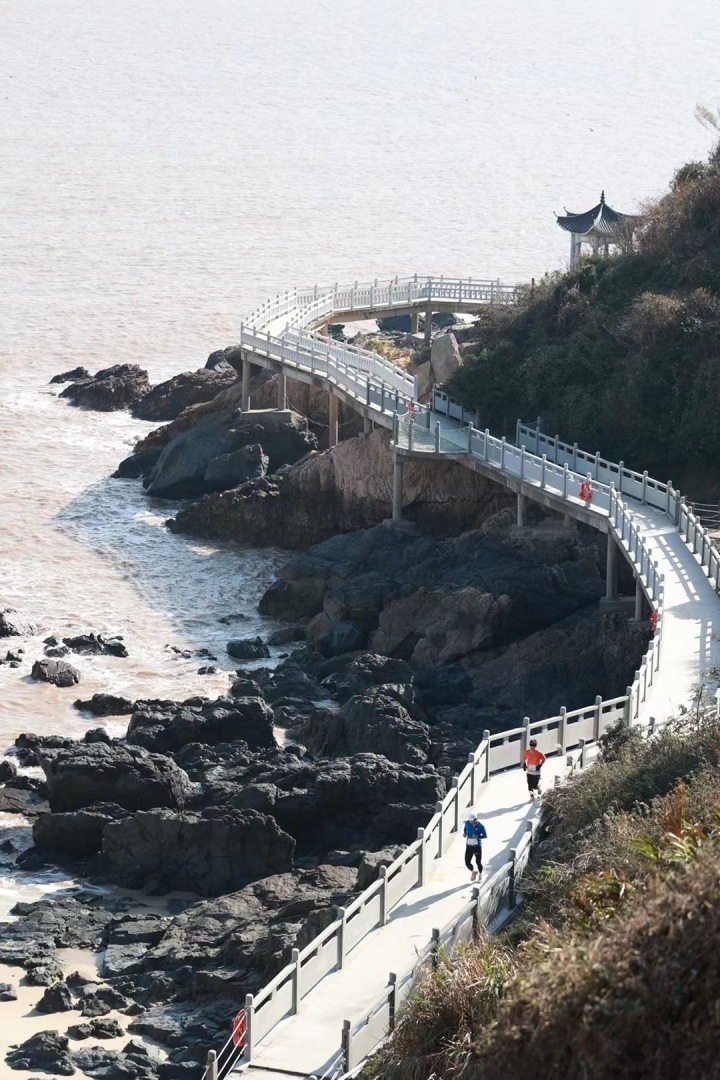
601, 219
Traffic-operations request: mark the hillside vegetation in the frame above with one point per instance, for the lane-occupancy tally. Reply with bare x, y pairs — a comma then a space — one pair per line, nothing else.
621, 354
611, 971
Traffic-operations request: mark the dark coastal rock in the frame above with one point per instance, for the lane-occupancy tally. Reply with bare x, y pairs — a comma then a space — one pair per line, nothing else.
222, 359
98, 734
341, 637
96, 645
286, 635
209, 853
78, 833
141, 463
370, 864
47, 1051
105, 705
362, 801
371, 723
14, 624
168, 399
247, 648
75, 374
96, 1029
56, 652
113, 388
182, 467
57, 672
57, 998
127, 775
8, 770
7, 992
103, 1064
171, 727
230, 470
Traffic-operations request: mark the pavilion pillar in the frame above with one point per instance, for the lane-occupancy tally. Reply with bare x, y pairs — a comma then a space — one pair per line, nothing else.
611, 569
414, 322
281, 390
398, 463
573, 250
332, 419
245, 392
428, 325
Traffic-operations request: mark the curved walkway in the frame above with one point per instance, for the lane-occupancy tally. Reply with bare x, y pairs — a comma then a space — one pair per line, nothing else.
334, 1002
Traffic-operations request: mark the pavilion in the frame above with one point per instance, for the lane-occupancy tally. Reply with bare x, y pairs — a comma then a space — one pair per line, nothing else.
599, 228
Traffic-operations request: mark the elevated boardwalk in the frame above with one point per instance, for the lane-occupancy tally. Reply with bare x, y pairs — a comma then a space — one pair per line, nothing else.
335, 1001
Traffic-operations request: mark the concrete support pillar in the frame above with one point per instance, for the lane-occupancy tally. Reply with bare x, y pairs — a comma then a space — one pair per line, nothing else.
281, 390
324, 330
333, 401
367, 425
245, 399
398, 463
521, 509
639, 600
414, 322
567, 521
428, 325
611, 583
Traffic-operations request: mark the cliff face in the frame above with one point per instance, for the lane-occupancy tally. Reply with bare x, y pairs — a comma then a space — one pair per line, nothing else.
340, 490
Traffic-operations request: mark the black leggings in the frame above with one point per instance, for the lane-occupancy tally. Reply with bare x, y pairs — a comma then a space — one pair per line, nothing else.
477, 852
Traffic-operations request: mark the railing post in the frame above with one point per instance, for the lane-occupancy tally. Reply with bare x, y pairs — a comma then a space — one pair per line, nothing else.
522, 462
437, 436
575, 450
422, 861
249, 1041
581, 744
342, 916
392, 1000
383, 895
211, 1068
487, 444
296, 990
470, 437
471, 761
644, 487
562, 732
621, 466
486, 740
597, 464
557, 441
502, 452
441, 839
565, 480
628, 705
455, 784
543, 460
435, 948
475, 920
526, 733
411, 433
598, 717
346, 1045
511, 879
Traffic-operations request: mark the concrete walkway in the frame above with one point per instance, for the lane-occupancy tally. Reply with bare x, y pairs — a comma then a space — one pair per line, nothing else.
309, 1042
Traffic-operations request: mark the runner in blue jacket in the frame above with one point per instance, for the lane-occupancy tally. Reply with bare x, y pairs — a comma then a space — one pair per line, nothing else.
474, 833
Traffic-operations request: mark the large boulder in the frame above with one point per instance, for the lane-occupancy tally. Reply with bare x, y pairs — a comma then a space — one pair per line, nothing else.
96, 645
78, 834
168, 727
57, 672
168, 399
182, 468
247, 648
85, 774
46, 1051
445, 358
141, 463
231, 470
113, 388
14, 624
437, 627
213, 852
372, 723
76, 374
105, 705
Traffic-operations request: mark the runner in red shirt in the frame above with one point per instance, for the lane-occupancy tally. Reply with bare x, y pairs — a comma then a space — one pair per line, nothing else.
533, 761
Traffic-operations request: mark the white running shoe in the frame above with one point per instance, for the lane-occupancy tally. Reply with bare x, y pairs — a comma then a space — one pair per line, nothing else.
473, 876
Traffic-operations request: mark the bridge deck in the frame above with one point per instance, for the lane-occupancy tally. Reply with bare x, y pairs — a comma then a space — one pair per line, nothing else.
308, 1042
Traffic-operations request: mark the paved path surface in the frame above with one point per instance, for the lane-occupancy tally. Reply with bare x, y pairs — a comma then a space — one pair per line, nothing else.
307, 1043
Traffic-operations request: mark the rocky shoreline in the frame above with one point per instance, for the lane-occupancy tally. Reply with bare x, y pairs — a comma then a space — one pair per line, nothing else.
275, 802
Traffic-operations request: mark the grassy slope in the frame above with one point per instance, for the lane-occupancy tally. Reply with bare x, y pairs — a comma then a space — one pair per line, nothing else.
622, 355
612, 970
